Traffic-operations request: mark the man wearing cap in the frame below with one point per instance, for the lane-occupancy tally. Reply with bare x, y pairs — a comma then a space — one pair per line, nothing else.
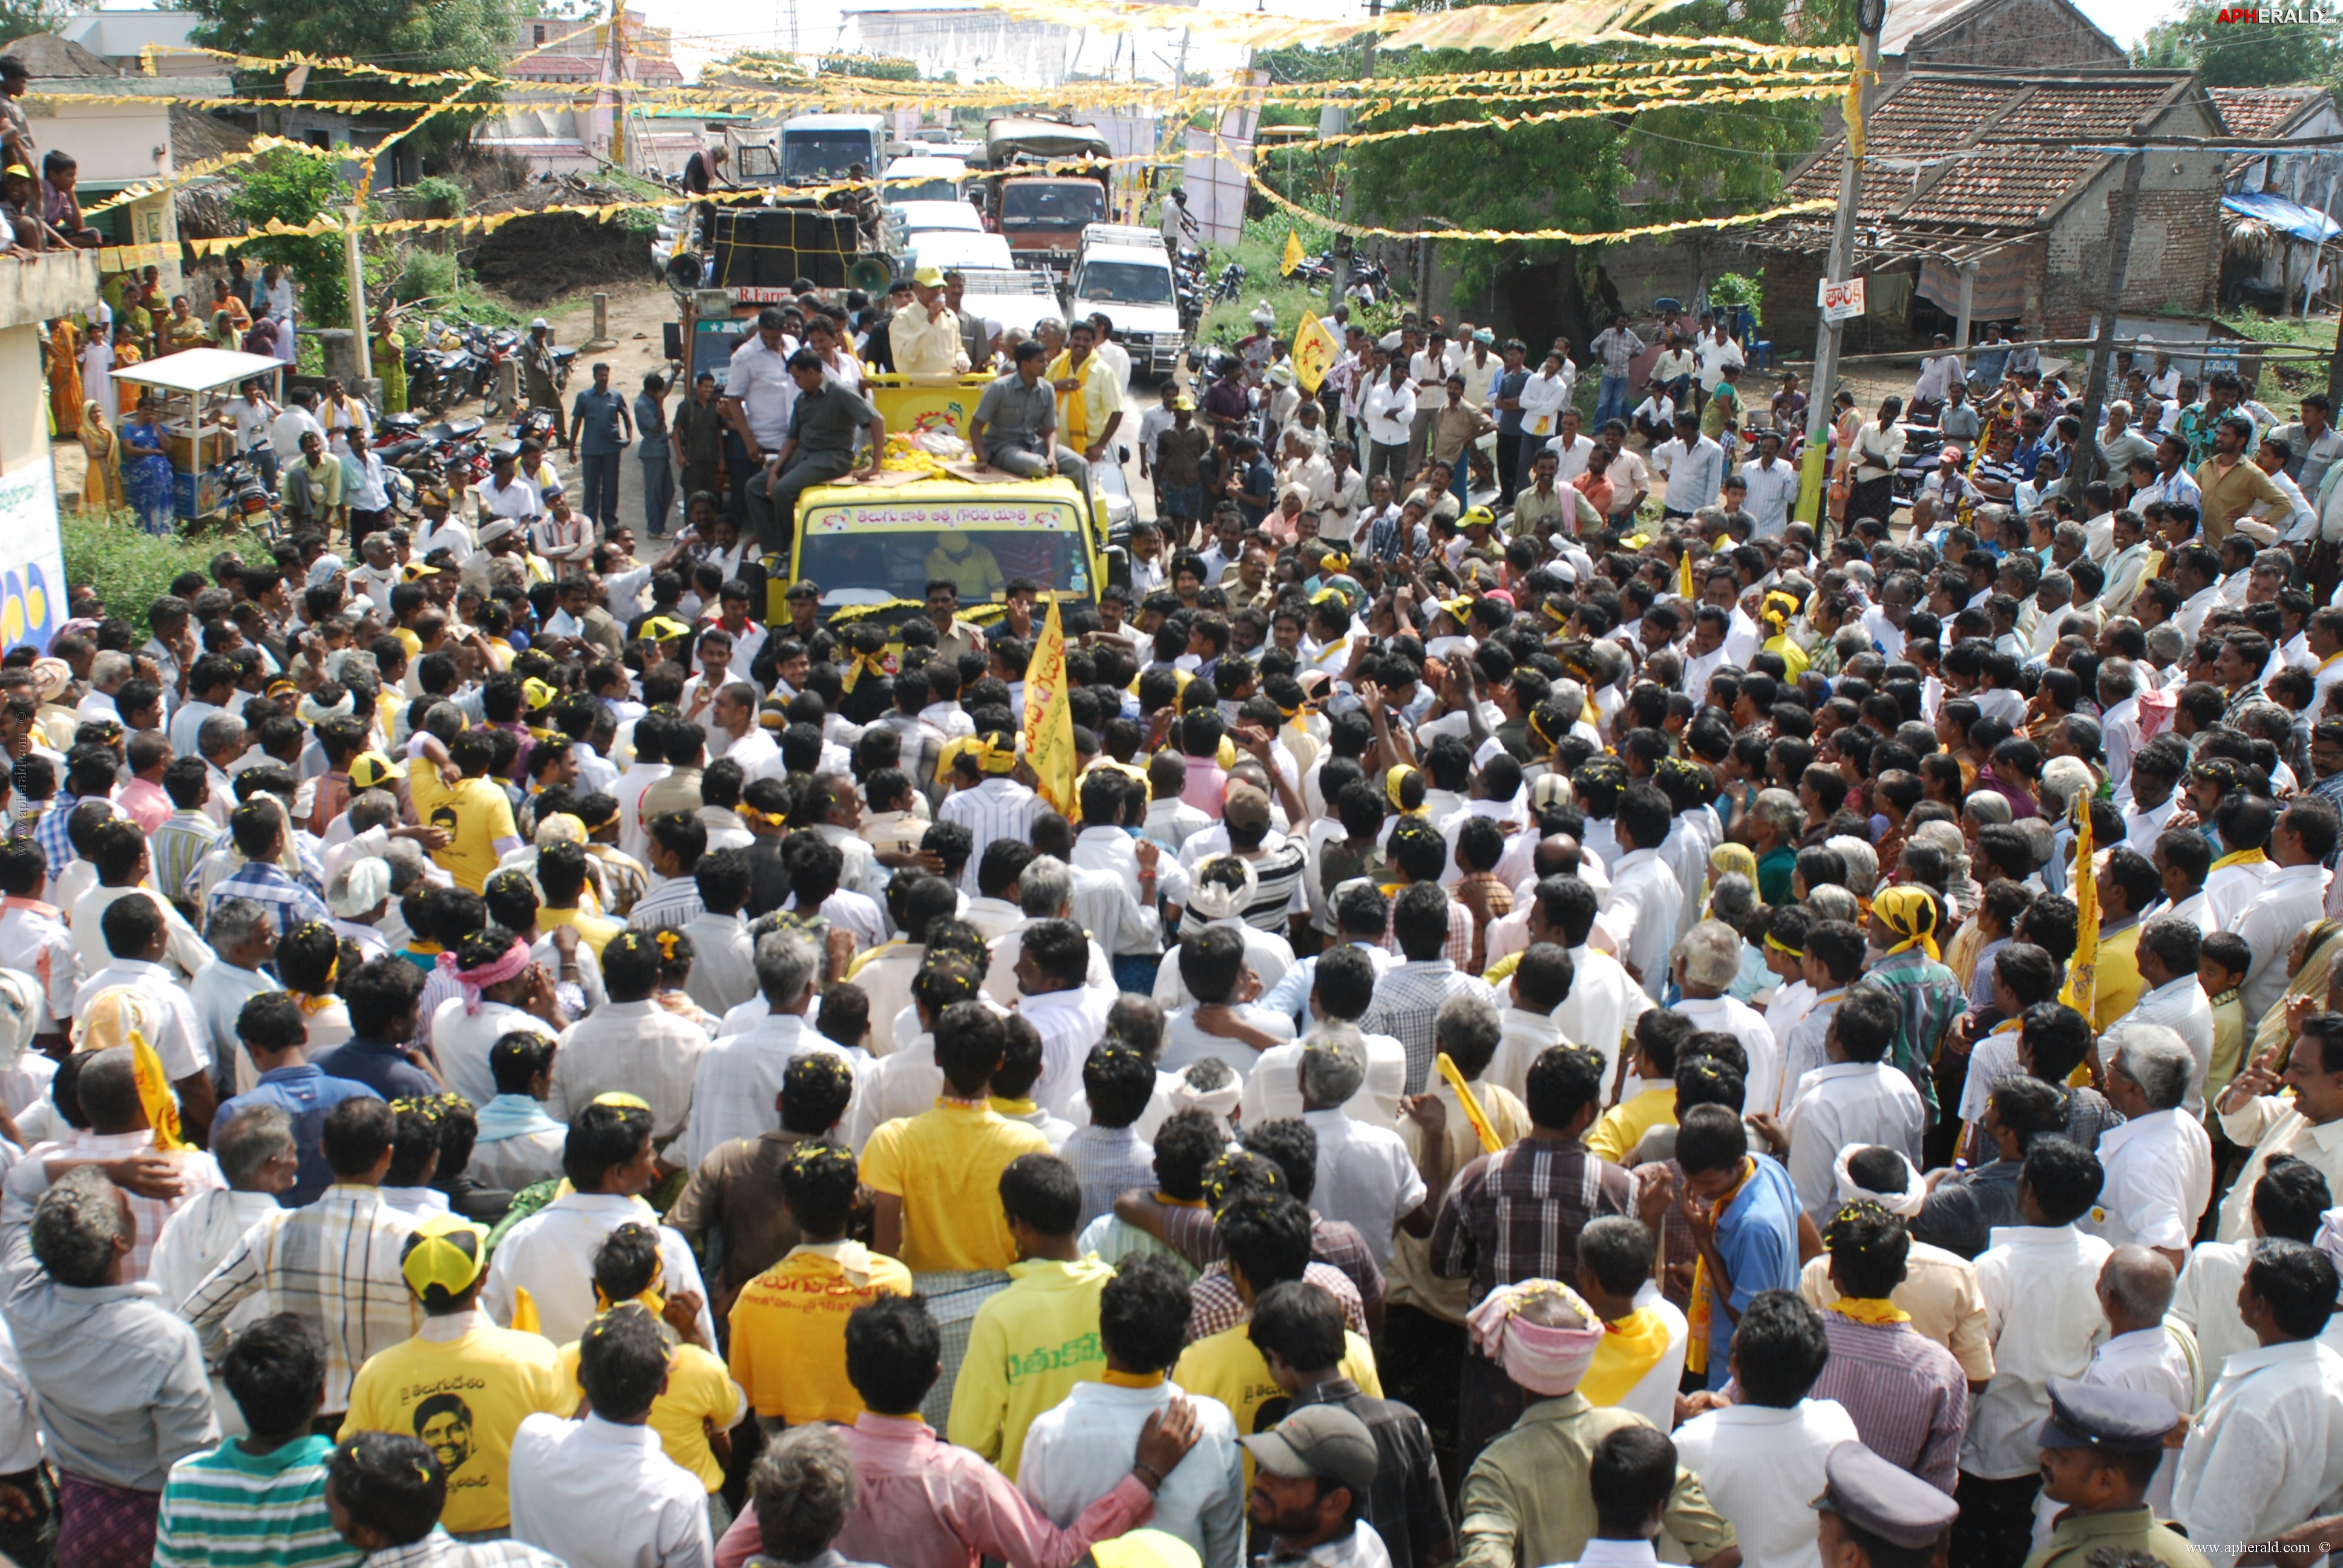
1311, 1474
1875, 1515
537, 376
817, 449
461, 1385
2100, 1450
926, 334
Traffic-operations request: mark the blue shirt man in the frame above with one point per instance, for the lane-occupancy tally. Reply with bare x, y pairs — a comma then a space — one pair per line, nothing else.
381, 1067
272, 1028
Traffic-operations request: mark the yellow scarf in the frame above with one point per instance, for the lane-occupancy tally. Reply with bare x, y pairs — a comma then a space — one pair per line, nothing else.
1911, 914
872, 663
2240, 857
1872, 1311
1630, 1348
1114, 1379
1703, 1302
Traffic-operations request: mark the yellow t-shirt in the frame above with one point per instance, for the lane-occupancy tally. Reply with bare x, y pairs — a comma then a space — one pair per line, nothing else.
594, 932
789, 1330
476, 814
408, 640
1624, 1125
1226, 1366
1028, 1348
945, 1164
464, 1397
698, 1391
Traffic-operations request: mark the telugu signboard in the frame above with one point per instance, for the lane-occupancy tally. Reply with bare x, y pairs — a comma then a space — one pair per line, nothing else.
1840, 301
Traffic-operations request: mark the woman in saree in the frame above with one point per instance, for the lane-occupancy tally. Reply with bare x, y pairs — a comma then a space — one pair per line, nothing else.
65, 374
146, 470
101, 487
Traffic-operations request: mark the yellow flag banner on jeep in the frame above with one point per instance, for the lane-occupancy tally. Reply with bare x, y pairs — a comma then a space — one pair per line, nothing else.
1315, 349
1049, 718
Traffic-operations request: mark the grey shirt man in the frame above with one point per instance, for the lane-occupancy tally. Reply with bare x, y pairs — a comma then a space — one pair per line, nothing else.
1018, 417
117, 1376
828, 421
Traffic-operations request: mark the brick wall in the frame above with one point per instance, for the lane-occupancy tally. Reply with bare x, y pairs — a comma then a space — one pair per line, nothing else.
2019, 35
1789, 307
2176, 258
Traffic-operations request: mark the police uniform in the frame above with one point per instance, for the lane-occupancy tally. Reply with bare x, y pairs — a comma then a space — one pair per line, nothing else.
2113, 1421
1883, 1501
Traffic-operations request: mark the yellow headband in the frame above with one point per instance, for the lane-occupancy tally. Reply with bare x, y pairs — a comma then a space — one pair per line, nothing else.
1910, 913
995, 758
1393, 783
1335, 561
1780, 945
864, 663
538, 693
446, 1251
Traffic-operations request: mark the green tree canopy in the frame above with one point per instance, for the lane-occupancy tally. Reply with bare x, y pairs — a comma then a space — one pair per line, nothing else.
2262, 56
295, 189
1576, 174
410, 34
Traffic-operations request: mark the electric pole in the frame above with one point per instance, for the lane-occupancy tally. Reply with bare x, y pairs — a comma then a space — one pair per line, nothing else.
1869, 17
2123, 210
1341, 238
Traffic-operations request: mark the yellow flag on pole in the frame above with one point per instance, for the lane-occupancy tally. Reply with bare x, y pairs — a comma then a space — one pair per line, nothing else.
1684, 573
2083, 971
1048, 717
1315, 349
1292, 257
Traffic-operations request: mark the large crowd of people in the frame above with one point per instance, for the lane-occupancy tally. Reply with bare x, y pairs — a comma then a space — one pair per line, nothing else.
1542, 1031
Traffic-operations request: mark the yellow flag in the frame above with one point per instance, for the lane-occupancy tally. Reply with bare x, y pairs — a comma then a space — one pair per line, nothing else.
1315, 349
524, 1316
1049, 718
1683, 574
1293, 254
2083, 972
154, 1093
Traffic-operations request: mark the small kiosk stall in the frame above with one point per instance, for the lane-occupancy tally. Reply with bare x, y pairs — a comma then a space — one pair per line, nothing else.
192, 388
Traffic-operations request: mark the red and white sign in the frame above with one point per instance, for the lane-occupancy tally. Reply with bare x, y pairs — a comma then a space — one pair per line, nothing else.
1840, 301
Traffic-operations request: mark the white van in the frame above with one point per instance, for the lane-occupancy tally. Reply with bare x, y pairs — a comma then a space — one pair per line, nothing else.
1123, 272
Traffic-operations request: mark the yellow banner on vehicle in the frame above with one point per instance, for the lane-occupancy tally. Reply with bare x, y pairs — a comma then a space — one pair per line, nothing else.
1292, 257
1050, 718
1315, 349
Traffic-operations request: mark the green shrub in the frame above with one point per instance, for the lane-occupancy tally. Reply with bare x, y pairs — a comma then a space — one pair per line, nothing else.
427, 275
132, 569
439, 190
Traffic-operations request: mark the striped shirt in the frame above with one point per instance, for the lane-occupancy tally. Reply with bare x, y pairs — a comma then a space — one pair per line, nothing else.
994, 809
228, 1508
1906, 1394
176, 846
49, 833
1928, 997
1107, 1161
335, 1265
266, 884
1408, 999
674, 902
1515, 1215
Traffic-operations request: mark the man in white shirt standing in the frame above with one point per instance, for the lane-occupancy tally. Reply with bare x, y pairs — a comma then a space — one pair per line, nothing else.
2292, 898
1771, 483
1707, 962
2039, 1281
1365, 1174
2267, 1452
1637, 920
2159, 1162
601, 1489
1693, 467
1854, 1100
1761, 1460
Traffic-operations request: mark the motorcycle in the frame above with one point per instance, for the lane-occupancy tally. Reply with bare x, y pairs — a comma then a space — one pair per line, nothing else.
250, 504
1230, 284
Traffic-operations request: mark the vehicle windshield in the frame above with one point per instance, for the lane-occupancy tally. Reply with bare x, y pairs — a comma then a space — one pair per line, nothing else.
1127, 282
915, 188
1051, 204
831, 154
756, 164
860, 567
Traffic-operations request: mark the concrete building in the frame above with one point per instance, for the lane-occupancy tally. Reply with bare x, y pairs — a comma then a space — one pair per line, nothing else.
124, 40
556, 130
33, 588
2007, 34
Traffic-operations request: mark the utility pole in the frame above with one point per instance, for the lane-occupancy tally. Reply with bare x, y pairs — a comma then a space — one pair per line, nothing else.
361, 355
1342, 241
1869, 17
2123, 207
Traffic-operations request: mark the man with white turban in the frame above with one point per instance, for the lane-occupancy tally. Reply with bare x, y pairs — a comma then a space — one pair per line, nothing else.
1939, 1288
1528, 1499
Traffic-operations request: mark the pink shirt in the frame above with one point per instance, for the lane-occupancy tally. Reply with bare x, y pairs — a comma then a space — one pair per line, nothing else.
1208, 781
922, 1502
145, 803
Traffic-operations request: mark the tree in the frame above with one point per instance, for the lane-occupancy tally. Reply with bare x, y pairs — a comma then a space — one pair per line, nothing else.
2272, 55
295, 189
420, 35
21, 18
874, 67
1576, 174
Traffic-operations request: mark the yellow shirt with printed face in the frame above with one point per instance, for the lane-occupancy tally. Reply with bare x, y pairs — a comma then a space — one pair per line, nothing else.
789, 1328
476, 813
945, 1164
464, 1398
699, 1392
